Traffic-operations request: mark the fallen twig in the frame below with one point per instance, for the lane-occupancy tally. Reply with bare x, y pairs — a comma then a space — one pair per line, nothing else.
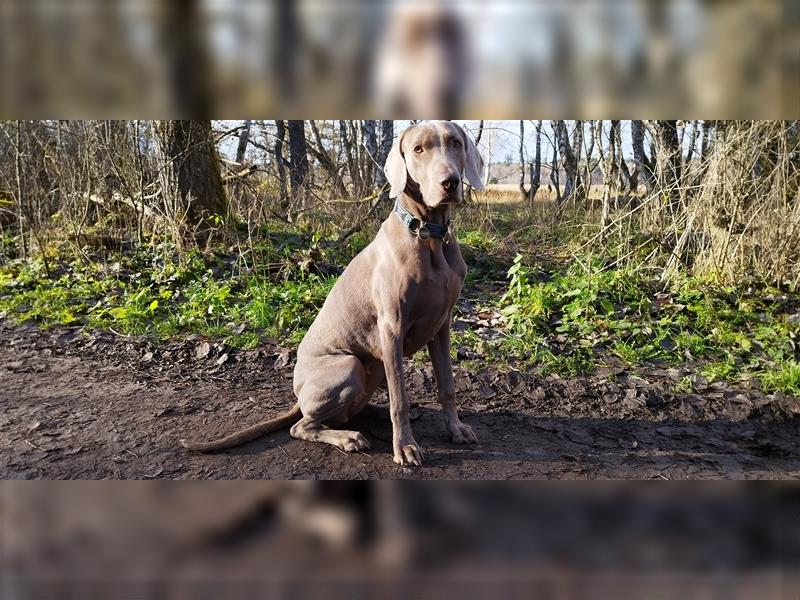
32, 445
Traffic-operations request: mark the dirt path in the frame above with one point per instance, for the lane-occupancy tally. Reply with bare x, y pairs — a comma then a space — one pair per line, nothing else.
105, 406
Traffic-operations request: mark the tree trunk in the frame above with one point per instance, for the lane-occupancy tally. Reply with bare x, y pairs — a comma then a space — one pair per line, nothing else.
568, 159
523, 192
109, 147
280, 161
555, 178
687, 162
581, 190
298, 161
348, 143
480, 133
621, 173
18, 180
588, 171
244, 139
387, 138
607, 168
642, 168
368, 168
668, 156
536, 165
331, 166
704, 141
705, 148
190, 179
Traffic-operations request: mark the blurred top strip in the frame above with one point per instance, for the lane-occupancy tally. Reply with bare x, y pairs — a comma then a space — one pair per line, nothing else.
400, 59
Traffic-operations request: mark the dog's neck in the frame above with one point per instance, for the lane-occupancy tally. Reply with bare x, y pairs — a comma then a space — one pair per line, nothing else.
439, 215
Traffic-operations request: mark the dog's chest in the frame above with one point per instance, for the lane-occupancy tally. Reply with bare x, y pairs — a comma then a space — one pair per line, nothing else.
438, 291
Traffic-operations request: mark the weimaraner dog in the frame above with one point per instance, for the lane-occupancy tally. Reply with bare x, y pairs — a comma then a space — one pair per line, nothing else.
395, 297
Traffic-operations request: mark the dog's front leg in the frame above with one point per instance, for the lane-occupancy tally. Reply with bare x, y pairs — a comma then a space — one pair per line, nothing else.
439, 349
406, 449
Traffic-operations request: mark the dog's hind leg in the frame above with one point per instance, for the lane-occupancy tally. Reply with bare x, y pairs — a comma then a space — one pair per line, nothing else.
338, 385
312, 430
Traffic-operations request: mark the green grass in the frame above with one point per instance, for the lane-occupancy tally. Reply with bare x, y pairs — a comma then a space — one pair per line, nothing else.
785, 378
129, 296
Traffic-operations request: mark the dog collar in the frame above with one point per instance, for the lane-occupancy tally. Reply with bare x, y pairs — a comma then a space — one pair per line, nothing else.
422, 229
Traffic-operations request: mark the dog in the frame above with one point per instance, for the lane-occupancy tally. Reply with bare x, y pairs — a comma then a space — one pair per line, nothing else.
395, 297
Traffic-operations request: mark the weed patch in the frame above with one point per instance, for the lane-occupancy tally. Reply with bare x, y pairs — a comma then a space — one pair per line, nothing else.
576, 319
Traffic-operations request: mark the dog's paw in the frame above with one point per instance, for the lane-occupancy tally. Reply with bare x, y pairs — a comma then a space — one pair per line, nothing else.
409, 454
353, 441
461, 433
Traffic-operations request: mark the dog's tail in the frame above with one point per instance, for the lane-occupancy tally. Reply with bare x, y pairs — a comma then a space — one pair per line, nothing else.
287, 419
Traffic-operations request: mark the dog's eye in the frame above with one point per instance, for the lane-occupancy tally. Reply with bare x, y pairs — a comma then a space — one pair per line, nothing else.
418, 149
457, 144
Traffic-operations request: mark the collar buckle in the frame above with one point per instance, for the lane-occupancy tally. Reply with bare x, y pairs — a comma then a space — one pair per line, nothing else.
422, 229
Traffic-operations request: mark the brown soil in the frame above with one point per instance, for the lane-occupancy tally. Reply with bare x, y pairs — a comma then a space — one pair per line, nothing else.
89, 406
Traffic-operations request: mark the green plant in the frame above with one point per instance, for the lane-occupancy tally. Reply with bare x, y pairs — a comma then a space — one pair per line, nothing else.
784, 378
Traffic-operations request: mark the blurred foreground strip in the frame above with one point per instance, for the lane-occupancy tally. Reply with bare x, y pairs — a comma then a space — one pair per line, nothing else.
466, 540
399, 59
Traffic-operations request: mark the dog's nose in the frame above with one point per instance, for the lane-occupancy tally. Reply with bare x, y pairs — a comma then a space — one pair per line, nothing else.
450, 182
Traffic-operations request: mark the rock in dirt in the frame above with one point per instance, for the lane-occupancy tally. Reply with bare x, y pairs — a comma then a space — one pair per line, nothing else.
284, 357
202, 350
465, 353
700, 383
487, 392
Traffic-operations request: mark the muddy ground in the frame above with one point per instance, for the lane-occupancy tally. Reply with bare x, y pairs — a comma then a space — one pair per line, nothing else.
79, 405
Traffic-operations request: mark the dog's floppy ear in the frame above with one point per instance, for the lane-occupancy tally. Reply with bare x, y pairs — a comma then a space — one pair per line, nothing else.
473, 168
395, 168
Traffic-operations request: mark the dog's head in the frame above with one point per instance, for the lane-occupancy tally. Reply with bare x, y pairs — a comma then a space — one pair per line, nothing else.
429, 161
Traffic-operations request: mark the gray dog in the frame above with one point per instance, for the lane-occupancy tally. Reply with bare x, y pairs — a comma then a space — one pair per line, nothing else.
395, 297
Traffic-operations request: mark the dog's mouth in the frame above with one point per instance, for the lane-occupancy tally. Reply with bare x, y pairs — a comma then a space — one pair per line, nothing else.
450, 199
446, 198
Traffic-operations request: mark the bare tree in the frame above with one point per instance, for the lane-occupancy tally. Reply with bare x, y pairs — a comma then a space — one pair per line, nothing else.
705, 140
387, 138
568, 158
624, 170
536, 165
581, 190
643, 168
590, 164
190, 178
522, 164
244, 138
555, 178
348, 138
18, 180
668, 157
280, 161
690, 150
326, 161
298, 160
368, 166
608, 167
480, 133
